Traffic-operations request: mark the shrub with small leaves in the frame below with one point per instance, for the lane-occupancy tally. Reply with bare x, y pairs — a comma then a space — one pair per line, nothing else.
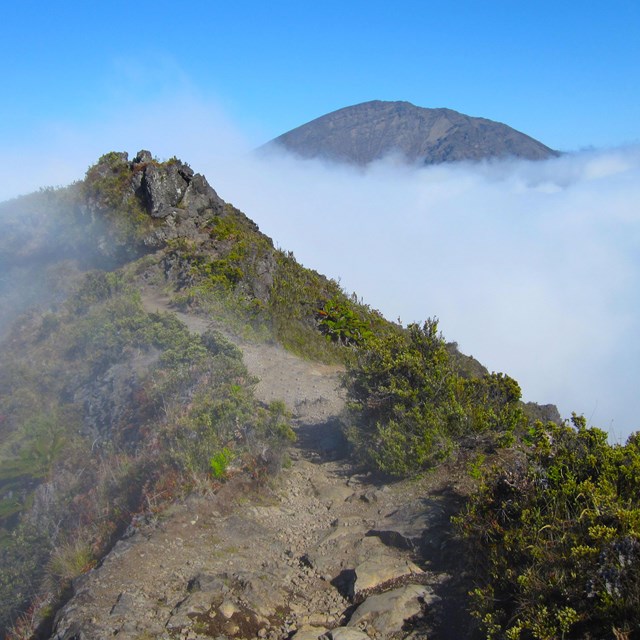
554, 537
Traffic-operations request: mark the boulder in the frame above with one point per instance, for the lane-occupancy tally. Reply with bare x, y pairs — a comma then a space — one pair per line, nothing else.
386, 613
163, 187
405, 528
347, 633
381, 569
309, 632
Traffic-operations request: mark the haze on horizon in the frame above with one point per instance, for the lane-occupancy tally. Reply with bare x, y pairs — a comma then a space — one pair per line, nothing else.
530, 266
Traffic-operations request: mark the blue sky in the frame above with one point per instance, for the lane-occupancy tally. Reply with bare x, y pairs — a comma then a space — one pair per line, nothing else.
564, 72
534, 268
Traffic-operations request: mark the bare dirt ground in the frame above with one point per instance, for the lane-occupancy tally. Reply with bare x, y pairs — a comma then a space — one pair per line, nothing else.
311, 390
322, 549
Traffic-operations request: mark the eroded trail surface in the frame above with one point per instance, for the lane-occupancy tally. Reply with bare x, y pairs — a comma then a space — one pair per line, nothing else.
322, 551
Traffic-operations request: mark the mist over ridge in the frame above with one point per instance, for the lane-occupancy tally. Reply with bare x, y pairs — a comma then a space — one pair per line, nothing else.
531, 267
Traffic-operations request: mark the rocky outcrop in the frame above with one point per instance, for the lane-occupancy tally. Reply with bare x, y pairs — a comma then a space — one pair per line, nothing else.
120, 210
140, 205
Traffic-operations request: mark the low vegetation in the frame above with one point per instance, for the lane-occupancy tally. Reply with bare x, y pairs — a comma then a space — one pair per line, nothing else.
109, 412
553, 535
264, 293
409, 406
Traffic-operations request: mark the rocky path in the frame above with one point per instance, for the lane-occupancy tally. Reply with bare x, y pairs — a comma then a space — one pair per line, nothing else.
321, 552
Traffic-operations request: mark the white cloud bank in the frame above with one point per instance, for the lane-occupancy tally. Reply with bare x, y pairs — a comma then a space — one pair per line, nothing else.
533, 268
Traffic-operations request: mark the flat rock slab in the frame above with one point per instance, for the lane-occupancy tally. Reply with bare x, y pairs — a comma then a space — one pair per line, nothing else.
331, 495
405, 528
386, 613
309, 632
381, 569
347, 633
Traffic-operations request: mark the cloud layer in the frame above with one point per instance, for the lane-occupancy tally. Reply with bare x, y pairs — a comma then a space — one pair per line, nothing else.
533, 268
530, 267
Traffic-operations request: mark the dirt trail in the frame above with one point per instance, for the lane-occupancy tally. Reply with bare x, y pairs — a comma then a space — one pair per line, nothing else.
311, 390
322, 550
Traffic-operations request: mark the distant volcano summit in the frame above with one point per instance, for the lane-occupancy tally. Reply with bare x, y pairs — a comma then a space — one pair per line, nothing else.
372, 130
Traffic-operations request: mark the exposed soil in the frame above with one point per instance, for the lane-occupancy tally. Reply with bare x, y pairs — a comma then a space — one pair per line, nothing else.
294, 557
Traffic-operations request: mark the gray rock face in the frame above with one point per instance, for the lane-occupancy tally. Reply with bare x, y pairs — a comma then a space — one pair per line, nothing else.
163, 189
372, 130
543, 412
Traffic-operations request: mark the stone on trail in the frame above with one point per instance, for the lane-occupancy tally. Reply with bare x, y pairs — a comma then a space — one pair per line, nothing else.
345, 633
387, 612
381, 569
309, 632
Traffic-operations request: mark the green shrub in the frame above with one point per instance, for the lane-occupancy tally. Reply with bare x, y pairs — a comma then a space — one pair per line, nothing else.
554, 538
408, 407
401, 394
490, 403
340, 323
219, 463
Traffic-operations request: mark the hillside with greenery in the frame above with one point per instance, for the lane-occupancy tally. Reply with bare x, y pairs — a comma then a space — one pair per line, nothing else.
551, 531
109, 412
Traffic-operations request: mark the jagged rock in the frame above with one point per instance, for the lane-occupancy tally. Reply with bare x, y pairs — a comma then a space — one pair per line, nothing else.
200, 197
143, 157
163, 188
386, 613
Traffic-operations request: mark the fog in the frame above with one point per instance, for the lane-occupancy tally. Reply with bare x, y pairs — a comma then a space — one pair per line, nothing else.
532, 268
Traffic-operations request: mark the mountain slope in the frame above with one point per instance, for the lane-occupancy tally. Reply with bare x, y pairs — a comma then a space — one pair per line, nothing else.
372, 130
110, 403
147, 403
279, 559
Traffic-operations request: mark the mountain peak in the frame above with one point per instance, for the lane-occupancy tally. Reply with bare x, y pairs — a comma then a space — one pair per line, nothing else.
369, 131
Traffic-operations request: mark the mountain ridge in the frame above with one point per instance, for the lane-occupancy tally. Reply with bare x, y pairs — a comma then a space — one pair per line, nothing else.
369, 131
150, 486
